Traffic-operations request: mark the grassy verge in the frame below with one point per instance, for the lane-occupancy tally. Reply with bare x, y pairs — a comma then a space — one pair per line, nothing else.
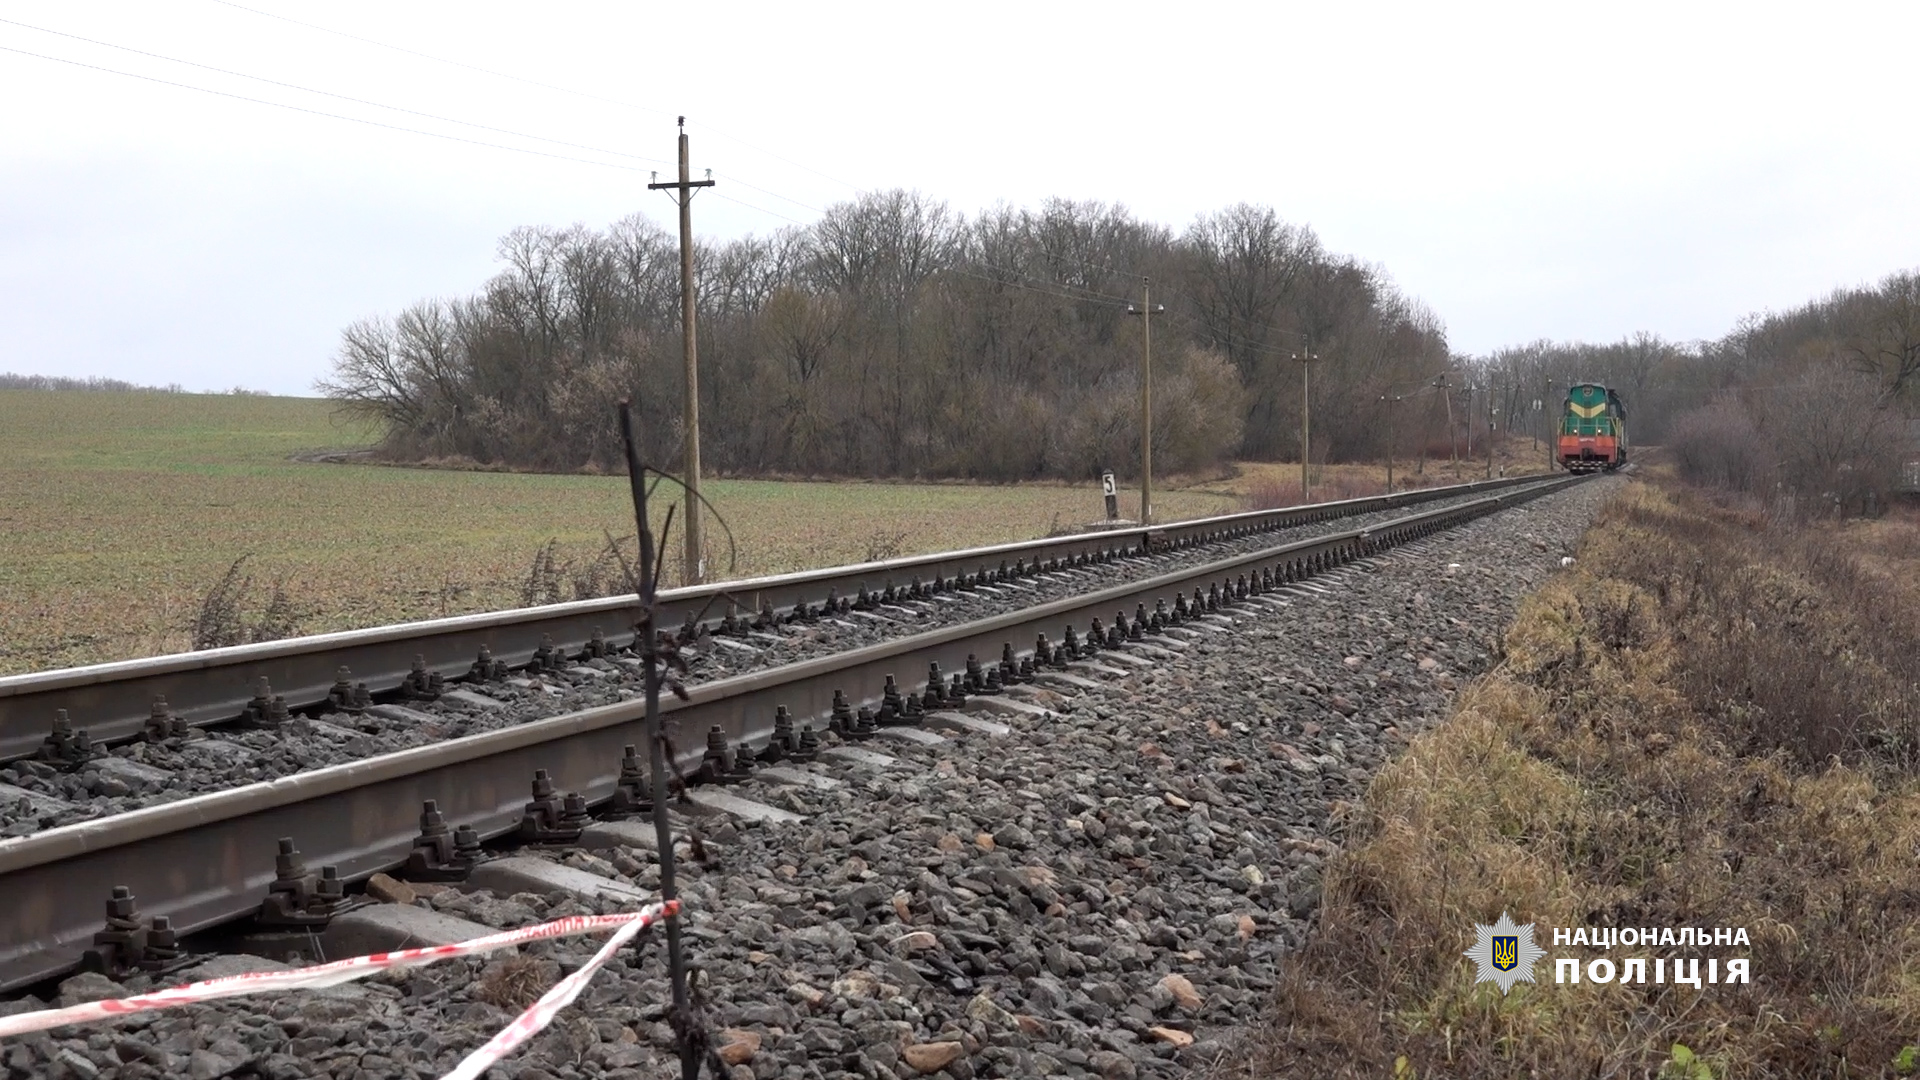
1709, 721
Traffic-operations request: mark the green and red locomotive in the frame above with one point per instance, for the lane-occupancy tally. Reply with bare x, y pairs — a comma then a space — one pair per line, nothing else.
1593, 430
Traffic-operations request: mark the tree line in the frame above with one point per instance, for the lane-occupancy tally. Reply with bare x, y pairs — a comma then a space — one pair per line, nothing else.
11, 381
1812, 403
898, 337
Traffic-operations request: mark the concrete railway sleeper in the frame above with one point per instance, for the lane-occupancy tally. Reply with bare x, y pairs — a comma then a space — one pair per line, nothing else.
183, 867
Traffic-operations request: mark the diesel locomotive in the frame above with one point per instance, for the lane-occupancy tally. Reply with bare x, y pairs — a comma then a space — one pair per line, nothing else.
1593, 430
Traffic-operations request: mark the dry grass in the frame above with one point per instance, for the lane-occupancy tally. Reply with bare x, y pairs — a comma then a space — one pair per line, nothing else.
120, 512
515, 982
1262, 485
1601, 777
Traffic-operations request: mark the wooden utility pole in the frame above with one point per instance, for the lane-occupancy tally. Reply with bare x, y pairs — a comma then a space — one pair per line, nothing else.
1390, 401
1420, 463
1147, 310
1490, 431
1549, 424
1306, 360
1466, 416
696, 568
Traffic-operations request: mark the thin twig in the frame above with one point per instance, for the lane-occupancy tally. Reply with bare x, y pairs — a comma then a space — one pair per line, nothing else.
732, 549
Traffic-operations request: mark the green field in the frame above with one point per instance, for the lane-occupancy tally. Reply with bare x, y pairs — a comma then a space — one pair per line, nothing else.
119, 511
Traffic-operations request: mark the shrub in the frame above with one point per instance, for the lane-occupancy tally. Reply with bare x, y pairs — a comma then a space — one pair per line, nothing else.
1721, 446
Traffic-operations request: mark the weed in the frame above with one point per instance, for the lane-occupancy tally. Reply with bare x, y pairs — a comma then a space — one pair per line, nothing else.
553, 578
277, 618
542, 585
451, 592
606, 573
223, 618
885, 544
218, 622
1684, 1064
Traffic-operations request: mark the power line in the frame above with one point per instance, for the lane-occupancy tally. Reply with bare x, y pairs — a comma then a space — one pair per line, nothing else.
374, 104
1040, 285
1196, 328
962, 271
331, 94
777, 195
1051, 285
1057, 289
1093, 294
321, 112
1266, 326
756, 206
530, 82
441, 59
1037, 288
378, 124
1083, 292
711, 130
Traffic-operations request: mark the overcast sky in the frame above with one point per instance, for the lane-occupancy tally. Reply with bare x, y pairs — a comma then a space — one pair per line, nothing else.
1527, 173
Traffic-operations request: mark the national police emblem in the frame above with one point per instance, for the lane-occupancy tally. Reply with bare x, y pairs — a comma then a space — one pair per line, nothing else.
1505, 953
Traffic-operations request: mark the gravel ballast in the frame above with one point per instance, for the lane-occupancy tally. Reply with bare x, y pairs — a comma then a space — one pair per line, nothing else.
1101, 893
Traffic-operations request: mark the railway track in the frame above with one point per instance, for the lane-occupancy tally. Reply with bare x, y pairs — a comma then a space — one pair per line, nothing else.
77, 781
118, 702
209, 860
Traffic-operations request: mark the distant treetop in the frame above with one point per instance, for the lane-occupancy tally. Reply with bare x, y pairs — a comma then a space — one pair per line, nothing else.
11, 381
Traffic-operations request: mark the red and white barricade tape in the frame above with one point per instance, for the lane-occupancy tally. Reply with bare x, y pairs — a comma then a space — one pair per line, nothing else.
344, 971
541, 1013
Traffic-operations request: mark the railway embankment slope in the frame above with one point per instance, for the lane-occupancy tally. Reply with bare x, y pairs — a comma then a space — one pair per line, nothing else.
1707, 722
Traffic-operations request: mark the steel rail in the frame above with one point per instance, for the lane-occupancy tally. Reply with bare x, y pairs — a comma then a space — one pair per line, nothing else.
208, 859
112, 702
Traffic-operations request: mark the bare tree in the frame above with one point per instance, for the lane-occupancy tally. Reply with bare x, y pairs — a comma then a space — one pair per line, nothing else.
1836, 434
896, 337
1885, 339
370, 378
